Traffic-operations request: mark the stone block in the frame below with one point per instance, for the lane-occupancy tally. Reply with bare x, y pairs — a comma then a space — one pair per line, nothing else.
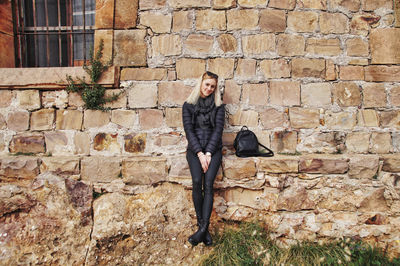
28, 99
5, 98
290, 45
19, 167
316, 94
357, 47
346, 94
302, 21
282, 4
358, 142
385, 47
371, 5
278, 165
57, 99
169, 139
336, 23
223, 4
75, 100
242, 19
210, 20
130, 48
330, 72
359, 61
124, 118
144, 170
397, 13
391, 163
104, 14
276, 68
57, 143
368, 118
394, 96
238, 168
382, 73
150, 119
390, 118
188, 3
272, 20
252, 3
107, 37
18, 120
81, 143
323, 165
135, 143
95, 118
27, 143
271, 118
246, 69
255, 94
173, 117
227, 43
303, 67
241, 117
165, 45
284, 142
68, 119
145, 74
173, 93
222, 66
329, 47
152, 4
396, 141
188, 68
258, 44
199, 43
374, 95
100, 169
313, 4
340, 120
381, 142
142, 95
363, 167
126, 13
303, 118
320, 142
60, 165
361, 23
120, 102
106, 142
351, 73
3, 124
42, 119
182, 20
351, 5
286, 93
157, 21
232, 92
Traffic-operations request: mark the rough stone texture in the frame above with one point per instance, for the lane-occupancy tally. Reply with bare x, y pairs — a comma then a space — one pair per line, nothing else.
302, 21
57, 143
255, 94
123, 118
351, 5
18, 120
302, 67
368, 118
333, 23
382, 73
152, 4
104, 14
199, 43
232, 92
330, 72
189, 3
363, 166
330, 47
246, 68
279, 68
351, 72
173, 117
147, 74
272, 20
222, 4
242, 19
235, 168
397, 13
222, 66
390, 119
241, 117
126, 12
69, 119
142, 95
281, 164
81, 143
3, 124
144, 170
75, 100
340, 120
135, 143
189, 68
106, 142
65, 166
210, 20
303, 118
150, 118
227, 43
346, 94
290, 45
385, 48
258, 44
371, 5
283, 4
100, 169
126, 41
380, 142
321, 142
286, 93
358, 142
170, 139
5, 98
166, 45
357, 47
284, 141
360, 23
95, 118
107, 37
27, 143
316, 94
391, 163
57, 99
374, 95
272, 118
42, 119
28, 99
322, 165
173, 93
15, 168
395, 96
182, 20
158, 22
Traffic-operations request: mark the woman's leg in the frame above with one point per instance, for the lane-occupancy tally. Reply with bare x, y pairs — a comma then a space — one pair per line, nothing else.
197, 179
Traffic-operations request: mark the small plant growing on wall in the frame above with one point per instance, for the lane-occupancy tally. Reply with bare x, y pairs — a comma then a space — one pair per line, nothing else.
93, 93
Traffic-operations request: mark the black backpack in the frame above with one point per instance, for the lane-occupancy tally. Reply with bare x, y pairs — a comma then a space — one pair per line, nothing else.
246, 144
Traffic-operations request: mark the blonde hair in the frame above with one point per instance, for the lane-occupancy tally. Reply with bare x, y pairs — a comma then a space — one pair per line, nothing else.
195, 95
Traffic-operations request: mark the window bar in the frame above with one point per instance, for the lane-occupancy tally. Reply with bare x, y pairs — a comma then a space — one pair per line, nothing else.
59, 34
70, 16
47, 33
84, 31
34, 36
17, 54
22, 38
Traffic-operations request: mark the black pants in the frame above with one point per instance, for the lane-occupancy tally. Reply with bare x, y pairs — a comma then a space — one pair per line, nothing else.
202, 192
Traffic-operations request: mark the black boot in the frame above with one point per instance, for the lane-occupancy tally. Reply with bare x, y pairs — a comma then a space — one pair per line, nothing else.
207, 238
198, 237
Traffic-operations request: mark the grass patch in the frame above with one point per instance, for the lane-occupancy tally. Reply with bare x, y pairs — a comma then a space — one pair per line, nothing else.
250, 244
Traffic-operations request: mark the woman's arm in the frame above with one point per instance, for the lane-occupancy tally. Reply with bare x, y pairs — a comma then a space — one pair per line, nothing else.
216, 135
188, 126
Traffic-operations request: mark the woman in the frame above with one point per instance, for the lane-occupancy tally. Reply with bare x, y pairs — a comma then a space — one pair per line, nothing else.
203, 117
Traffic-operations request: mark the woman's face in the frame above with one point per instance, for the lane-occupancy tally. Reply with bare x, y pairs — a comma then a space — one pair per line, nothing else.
207, 87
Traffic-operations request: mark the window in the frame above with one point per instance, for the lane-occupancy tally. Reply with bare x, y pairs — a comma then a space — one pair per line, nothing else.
52, 33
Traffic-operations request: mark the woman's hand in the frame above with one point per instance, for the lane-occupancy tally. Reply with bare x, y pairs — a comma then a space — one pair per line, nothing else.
208, 157
203, 161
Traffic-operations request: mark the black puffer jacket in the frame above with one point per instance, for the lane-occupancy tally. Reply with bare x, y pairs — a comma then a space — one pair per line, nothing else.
203, 139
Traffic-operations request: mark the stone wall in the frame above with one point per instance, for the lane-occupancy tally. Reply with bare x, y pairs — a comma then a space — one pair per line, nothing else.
318, 81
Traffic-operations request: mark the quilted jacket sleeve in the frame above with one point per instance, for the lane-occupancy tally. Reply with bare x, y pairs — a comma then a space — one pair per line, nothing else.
193, 141
216, 136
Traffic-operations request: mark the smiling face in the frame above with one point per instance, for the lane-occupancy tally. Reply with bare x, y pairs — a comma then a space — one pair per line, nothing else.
208, 86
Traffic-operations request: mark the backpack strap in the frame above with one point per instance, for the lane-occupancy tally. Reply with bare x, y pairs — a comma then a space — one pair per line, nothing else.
270, 153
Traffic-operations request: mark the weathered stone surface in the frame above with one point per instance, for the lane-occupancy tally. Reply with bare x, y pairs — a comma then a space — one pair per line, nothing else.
397, 13
283, 4
390, 118
316, 94
95, 118
359, 61
333, 23
18, 120
210, 20
351, 5
271, 118
106, 142
57, 99
395, 96
27, 143
391, 163
135, 143
281, 164
358, 142
330, 47
303, 118
81, 143
28, 99
227, 43
173, 93
246, 68
126, 12
382, 73
144, 170
272, 20
241, 117
5, 98
104, 14
180, 168
258, 44
340, 120
158, 22
75, 100
120, 102
126, 41
371, 5
18, 167
295, 198
361, 23
222, 4
235, 168
60, 165
381, 142
363, 166
330, 72
239, 19
57, 143
199, 43
166, 45
188, 3
107, 37
302, 21
374, 95
346, 94
232, 92
182, 20
173, 117
255, 94
323, 165
302, 67
152, 4
357, 47
222, 66
385, 47
100, 169
351, 73
285, 93
3, 124
150, 118
169, 139
187, 68
69, 119
314, 4
278, 68
142, 95
284, 141
290, 45
254, 199
321, 142
42, 119
251, 3
368, 118
147, 74
123, 118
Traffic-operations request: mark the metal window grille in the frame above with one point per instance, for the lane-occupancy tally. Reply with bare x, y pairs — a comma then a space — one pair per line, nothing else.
51, 33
